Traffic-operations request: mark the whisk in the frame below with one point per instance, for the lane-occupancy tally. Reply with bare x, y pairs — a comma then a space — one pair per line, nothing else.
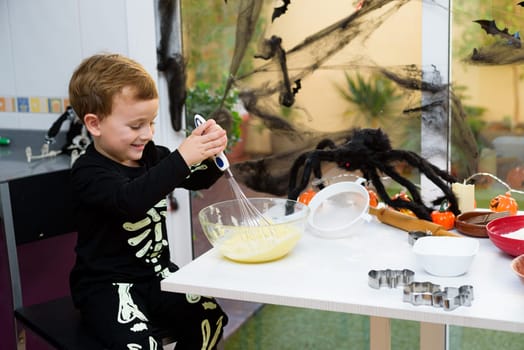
249, 214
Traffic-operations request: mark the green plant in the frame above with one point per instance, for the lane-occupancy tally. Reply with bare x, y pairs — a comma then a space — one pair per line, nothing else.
202, 99
372, 99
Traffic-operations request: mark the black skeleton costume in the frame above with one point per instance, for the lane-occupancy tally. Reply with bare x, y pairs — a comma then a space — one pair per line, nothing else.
122, 251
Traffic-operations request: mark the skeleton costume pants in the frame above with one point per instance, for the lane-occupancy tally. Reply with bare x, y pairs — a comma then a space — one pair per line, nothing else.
123, 316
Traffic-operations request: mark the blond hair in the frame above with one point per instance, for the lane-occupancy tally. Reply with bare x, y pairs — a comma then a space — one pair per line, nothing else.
99, 78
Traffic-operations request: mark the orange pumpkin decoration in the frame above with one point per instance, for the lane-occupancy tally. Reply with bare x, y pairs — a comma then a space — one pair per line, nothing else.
443, 216
504, 202
306, 196
373, 198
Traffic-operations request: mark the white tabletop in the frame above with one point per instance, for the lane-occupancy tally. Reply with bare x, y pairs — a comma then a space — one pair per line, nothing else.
333, 275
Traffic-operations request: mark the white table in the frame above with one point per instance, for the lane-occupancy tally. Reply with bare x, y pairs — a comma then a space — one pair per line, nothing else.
333, 275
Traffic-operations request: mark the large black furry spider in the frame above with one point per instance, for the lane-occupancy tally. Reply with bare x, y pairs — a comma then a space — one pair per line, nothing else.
370, 151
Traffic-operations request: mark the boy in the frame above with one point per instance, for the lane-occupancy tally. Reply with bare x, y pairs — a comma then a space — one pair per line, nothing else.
120, 186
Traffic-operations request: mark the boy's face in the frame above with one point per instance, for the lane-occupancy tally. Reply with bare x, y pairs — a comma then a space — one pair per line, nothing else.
123, 134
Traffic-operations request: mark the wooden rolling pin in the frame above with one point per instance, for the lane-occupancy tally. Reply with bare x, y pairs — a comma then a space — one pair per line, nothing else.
409, 223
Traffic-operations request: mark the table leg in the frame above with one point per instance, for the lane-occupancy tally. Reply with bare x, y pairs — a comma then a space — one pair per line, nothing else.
379, 333
432, 336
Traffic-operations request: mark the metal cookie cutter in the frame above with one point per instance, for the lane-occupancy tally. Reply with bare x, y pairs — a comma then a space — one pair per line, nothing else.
420, 293
451, 298
390, 278
414, 235
427, 293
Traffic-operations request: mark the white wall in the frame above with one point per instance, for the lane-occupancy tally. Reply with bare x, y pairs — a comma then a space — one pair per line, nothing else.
43, 41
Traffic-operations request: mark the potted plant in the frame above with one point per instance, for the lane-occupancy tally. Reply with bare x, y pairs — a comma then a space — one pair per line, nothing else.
372, 100
202, 99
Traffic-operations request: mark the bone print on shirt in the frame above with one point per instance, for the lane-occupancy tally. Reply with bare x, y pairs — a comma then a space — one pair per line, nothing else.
149, 240
127, 309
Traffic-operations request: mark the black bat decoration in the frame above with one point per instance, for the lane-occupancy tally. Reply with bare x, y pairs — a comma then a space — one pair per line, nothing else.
280, 10
491, 28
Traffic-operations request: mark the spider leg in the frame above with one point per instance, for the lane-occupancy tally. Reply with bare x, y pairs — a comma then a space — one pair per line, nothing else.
434, 174
293, 189
412, 189
326, 143
417, 208
390, 171
311, 162
373, 176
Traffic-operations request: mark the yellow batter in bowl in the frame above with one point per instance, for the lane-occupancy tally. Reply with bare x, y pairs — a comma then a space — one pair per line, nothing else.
236, 240
259, 244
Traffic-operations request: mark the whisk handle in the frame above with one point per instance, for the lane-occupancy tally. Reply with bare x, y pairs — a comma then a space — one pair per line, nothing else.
220, 159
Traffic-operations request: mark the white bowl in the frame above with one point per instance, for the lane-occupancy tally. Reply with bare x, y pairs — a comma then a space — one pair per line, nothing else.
445, 256
338, 208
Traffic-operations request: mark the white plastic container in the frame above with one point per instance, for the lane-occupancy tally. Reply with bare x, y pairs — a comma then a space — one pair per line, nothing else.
445, 256
338, 210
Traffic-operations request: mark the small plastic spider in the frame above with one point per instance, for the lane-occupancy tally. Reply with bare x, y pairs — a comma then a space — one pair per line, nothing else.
370, 151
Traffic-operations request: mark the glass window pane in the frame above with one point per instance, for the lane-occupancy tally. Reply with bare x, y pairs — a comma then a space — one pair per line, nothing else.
487, 80
487, 77
475, 338
343, 69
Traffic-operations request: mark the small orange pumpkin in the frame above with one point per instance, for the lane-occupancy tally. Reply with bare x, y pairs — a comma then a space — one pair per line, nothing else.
306, 196
373, 198
504, 202
443, 216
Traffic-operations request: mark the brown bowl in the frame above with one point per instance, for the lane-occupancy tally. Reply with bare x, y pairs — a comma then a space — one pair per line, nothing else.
473, 223
517, 265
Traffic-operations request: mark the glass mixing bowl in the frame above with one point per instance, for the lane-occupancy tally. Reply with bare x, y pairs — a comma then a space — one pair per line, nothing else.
231, 231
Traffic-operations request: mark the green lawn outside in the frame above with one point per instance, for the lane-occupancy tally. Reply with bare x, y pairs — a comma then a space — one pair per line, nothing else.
289, 328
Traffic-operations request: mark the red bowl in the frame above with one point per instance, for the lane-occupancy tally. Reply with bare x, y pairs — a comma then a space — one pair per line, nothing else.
499, 227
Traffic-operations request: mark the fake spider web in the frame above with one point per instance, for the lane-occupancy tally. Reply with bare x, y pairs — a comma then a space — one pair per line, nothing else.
274, 85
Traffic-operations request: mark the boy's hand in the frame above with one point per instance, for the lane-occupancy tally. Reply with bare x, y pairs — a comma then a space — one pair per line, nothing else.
205, 141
